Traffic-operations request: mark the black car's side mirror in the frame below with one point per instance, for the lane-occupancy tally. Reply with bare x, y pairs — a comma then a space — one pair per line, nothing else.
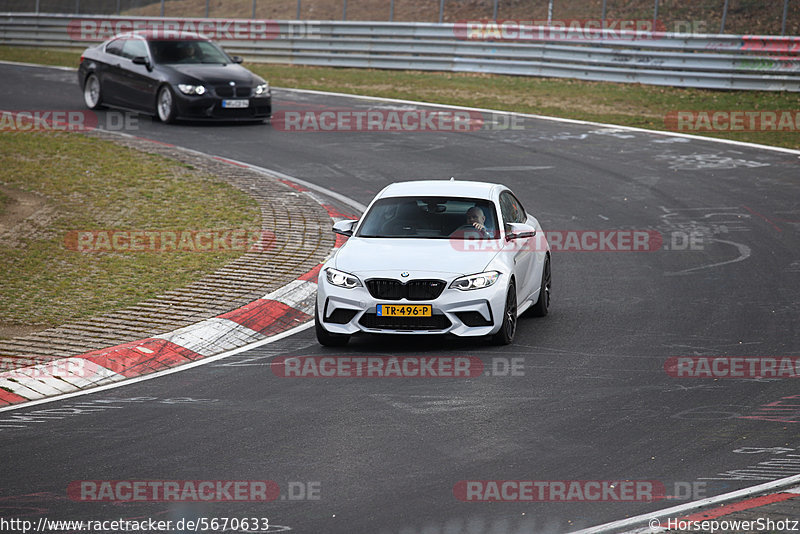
142, 60
237, 59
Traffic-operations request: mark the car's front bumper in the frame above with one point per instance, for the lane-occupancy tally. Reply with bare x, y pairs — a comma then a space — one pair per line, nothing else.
210, 107
477, 312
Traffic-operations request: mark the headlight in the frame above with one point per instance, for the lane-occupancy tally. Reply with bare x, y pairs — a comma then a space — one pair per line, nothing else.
475, 281
341, 279
188, 89
262, 89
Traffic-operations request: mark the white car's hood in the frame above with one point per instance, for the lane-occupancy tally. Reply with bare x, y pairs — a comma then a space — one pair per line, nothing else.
368, 255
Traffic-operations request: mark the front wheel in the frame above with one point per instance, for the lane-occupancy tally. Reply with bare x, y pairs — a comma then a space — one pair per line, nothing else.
165, 105
92, 94
509, 327
542, 305
325, 338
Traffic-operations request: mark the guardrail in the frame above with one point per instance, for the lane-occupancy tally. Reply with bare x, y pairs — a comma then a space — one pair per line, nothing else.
683, 60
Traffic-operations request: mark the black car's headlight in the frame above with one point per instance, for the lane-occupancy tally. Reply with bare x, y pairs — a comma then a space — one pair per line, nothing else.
341, 278
475, 281
261, 89
189, 89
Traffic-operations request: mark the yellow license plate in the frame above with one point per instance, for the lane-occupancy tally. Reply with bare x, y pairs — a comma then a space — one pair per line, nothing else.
397, 310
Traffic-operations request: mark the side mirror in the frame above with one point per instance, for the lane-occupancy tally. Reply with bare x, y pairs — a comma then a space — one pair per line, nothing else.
345, 227
142, 60
237, 59
519, 231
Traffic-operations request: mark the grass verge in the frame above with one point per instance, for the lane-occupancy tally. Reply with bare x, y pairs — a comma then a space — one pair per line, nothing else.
85, 183
642, 106
5, 200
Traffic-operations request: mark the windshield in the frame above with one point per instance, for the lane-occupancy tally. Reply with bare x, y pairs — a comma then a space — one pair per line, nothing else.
430, 218
187, 52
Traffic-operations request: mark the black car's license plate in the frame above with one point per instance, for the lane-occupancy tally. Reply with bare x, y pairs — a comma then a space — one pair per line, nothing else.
396, 310
235, 103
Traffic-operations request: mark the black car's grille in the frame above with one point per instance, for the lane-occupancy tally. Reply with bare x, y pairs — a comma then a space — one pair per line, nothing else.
434, 322
226, 91
390, 289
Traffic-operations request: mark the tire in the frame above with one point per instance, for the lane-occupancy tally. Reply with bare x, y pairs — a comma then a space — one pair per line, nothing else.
165, 105
542, 305
505, 336
92, 92
325, 338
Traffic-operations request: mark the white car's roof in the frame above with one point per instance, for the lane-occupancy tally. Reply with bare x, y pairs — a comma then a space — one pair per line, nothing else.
444, 188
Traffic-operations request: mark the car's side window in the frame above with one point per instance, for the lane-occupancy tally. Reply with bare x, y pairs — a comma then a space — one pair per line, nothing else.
511, 209
519, 211
115, 47
134, 48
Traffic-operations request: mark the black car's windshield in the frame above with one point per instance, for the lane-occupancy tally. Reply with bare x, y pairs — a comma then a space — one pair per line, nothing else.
187, 52
430, 218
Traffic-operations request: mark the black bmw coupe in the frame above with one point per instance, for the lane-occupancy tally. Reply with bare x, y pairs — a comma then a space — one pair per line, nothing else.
185, 77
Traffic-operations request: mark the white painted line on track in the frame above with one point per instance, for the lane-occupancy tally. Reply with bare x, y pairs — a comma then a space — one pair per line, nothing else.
468, 108
184, 367
547, 118
681, 510
23, 64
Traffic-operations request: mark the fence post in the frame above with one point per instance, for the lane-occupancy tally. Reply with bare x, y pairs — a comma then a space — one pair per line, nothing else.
655, 16
119, 8
77, 6
298, 10
37, 7
254, 10
162, 8
603, 16
785, 12
441, 11
494, 11
724, 17
549, 12
391, 11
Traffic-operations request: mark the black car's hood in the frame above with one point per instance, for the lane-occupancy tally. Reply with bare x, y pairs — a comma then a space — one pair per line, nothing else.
216, 73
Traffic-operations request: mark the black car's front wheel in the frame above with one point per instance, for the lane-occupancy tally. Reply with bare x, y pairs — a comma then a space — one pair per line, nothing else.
165, 104
92, 93
505, 336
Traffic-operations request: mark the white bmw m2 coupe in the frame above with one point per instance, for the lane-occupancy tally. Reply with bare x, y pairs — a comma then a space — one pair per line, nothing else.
435, 257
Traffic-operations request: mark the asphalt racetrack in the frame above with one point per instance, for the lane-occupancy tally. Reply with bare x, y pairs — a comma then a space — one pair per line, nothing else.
593, 401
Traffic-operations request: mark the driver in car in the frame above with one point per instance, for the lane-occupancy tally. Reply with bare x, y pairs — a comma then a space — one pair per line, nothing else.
476, 218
